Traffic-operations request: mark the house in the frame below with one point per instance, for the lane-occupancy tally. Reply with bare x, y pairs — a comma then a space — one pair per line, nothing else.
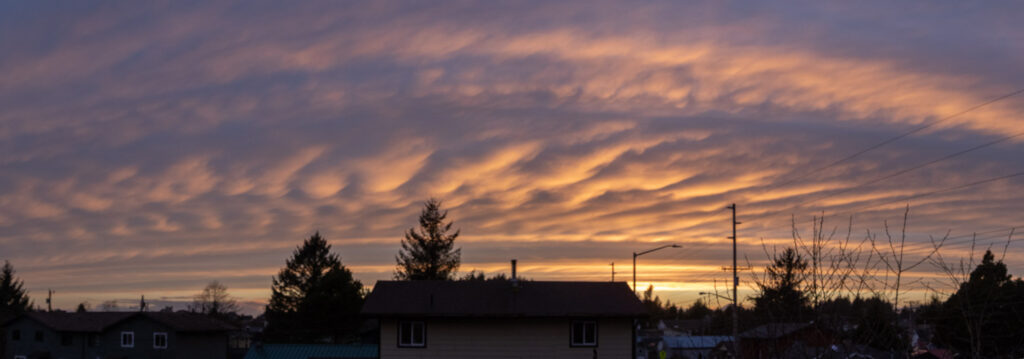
691, 346
116, 335
775, 340
312, 351
504, 318
680, 327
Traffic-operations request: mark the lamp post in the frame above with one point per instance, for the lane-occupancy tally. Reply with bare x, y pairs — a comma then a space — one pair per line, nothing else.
635, 254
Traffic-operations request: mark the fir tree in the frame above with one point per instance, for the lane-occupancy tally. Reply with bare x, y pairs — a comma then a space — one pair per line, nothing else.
314, 298
781, 296
428, 253
13, 298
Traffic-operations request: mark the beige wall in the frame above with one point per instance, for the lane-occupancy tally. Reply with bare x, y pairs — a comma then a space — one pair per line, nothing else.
508, 338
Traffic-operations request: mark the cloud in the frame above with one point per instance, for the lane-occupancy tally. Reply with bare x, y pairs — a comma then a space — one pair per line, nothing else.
198, 141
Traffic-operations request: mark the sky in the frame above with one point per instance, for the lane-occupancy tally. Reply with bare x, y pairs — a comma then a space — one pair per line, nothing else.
147, 148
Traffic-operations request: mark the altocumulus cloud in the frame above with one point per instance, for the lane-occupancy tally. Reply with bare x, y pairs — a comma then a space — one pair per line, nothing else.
151, 147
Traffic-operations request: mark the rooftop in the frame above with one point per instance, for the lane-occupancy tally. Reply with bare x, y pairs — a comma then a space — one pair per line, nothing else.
99, 321
502, 299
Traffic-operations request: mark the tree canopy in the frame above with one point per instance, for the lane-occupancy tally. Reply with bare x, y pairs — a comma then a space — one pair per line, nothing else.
984, 316
13, 297
314, 297
214, 301
429, 253
781, 294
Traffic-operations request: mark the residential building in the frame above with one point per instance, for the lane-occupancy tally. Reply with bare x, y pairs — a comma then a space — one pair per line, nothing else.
692, 346
122, 335
312, 351
504, 318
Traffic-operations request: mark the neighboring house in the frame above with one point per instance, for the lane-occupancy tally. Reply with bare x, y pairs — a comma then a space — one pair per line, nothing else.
776, 339
679, 327
122, 335
508, 319
692, 347
312, 351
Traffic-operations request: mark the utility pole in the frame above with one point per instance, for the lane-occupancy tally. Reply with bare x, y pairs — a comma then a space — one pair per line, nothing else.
735, 284
613, 271
49, 300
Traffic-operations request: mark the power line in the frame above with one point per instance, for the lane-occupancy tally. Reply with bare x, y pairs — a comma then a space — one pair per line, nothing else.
911, 169
925, 194
897, 173
900, 136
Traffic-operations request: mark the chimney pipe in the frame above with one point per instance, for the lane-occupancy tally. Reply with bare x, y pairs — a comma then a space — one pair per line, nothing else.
513, 269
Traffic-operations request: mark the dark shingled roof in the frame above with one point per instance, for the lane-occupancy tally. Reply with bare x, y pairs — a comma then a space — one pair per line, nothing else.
773, 330
502, 299
190, 322
78, 322
99, 321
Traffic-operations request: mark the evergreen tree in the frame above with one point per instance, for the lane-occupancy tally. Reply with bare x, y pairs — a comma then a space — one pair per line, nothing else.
781, 296
985, 316
698, 310
314, 298
13, 298
876, 324
429, 253
81, 308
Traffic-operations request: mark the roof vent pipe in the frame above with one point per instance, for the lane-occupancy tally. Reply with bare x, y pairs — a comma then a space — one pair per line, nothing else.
513, 269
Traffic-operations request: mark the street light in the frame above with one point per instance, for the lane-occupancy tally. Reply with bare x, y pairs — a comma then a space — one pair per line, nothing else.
635, 254
727, 298
715, 294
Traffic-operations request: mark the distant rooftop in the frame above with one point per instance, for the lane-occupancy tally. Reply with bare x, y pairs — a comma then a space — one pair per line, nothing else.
502, 299
773, 330
99, 321
695, 341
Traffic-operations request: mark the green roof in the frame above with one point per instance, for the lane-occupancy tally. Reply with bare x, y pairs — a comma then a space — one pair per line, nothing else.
311, 351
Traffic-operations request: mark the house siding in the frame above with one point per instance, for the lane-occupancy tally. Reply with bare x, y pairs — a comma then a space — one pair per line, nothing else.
180, 345
51, 343
508, 338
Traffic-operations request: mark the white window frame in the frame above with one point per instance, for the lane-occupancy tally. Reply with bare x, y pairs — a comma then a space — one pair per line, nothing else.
584, 342
412, 343
129, 345
20, 357
158, 334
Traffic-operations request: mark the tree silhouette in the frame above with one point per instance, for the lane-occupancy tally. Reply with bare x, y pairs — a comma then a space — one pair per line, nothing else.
13, 298
781, 293
214, 301
984, 316
429, 253
314, 298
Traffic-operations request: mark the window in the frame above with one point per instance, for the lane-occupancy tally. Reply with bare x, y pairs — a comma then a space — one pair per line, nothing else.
127, 339
39, 335
16, 334
239, 342
19, 357
412, 334
584, 333
66, 339
91, 340
160, 340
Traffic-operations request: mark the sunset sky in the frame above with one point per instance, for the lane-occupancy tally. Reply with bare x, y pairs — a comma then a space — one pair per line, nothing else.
149, 147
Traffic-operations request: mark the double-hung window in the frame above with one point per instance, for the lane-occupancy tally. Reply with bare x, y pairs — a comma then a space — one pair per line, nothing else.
412, 334
127, 339
159, 340
584, 333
